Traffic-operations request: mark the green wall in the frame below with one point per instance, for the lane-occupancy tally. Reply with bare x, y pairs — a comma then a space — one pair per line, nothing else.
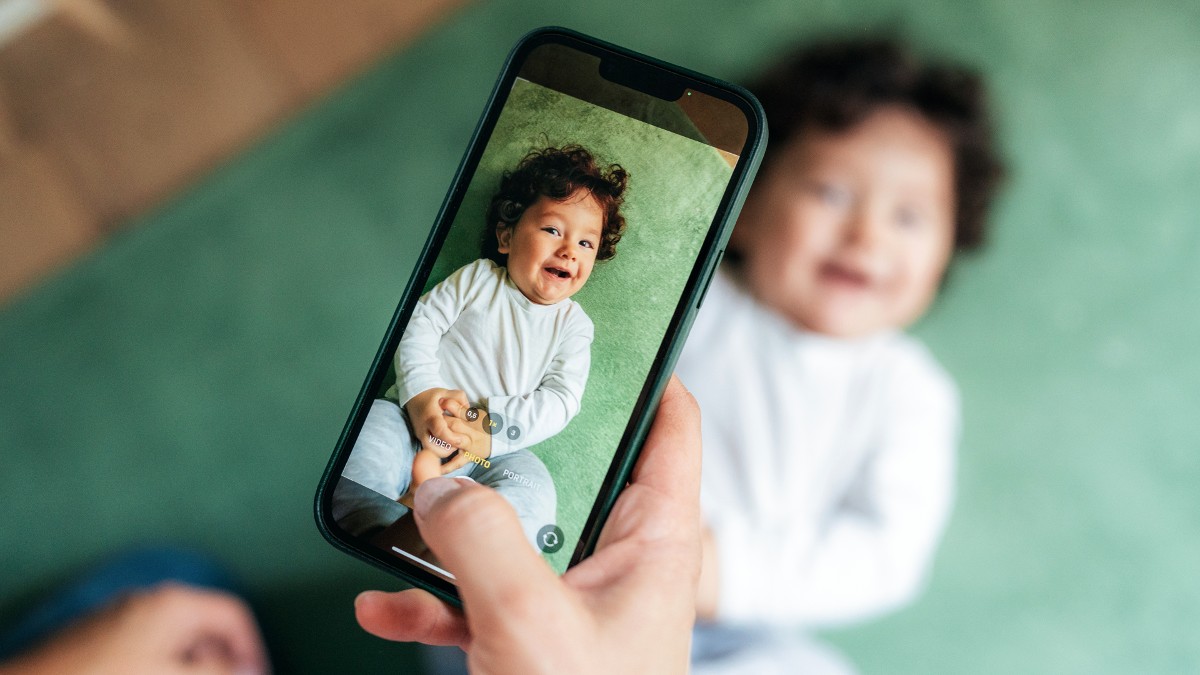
188, 381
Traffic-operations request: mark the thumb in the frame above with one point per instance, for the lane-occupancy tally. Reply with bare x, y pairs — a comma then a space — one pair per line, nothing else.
477, 536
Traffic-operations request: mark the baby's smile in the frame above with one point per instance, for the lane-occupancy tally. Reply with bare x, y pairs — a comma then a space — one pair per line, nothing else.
558, 272
845, 276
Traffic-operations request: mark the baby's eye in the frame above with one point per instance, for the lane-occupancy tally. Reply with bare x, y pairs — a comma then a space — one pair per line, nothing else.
833, 194
909, 218
551, 230
587, 244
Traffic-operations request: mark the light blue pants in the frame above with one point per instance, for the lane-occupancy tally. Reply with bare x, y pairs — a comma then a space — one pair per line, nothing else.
381, 464
762, 650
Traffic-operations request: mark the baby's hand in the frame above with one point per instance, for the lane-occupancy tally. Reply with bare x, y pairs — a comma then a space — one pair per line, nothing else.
469, 423
437, 446
425, 412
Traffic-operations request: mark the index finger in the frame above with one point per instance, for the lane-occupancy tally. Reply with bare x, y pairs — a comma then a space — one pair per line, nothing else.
452, 406
670, 459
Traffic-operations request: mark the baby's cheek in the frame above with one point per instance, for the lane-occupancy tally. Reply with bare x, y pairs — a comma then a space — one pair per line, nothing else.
584, 275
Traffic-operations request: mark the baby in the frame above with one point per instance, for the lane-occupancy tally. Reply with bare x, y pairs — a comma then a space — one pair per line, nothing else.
495, 358
829, 434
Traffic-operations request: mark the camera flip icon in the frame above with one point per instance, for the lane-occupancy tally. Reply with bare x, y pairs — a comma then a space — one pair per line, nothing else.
550, 539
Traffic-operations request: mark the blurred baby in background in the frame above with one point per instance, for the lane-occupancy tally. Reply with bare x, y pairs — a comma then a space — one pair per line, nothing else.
830, 434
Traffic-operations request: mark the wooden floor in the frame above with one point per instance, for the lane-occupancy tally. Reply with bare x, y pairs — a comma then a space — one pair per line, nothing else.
107, 107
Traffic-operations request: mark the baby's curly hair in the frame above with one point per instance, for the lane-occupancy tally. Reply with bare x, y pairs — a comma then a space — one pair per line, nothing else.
557, 173
834, 85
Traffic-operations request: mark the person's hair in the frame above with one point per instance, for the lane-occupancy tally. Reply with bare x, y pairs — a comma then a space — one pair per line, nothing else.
833, 85
557, 173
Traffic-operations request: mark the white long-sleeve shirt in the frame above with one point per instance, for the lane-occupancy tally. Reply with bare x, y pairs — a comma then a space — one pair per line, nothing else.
526, 363
828, 464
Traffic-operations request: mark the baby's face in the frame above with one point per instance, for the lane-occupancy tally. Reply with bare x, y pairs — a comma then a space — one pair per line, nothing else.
849, 234
552, 248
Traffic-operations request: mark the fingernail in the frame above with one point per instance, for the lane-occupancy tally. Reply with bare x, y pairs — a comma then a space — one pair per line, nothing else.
361, 596
433, 490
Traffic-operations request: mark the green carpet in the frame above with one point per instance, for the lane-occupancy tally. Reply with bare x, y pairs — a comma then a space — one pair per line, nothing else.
186, 382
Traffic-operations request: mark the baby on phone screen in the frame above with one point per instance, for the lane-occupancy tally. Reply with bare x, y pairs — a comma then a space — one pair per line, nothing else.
495, 358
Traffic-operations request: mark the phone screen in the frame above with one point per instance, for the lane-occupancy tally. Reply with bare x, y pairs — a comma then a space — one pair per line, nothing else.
547, 305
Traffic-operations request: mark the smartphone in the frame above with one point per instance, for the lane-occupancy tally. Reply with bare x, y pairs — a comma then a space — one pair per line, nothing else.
542, 322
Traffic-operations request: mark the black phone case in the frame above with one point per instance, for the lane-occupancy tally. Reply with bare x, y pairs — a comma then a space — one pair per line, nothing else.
644, 72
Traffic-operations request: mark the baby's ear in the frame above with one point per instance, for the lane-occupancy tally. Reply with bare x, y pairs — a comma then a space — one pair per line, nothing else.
503, 237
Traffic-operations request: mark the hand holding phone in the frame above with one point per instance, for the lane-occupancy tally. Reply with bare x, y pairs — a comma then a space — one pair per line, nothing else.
628, 608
